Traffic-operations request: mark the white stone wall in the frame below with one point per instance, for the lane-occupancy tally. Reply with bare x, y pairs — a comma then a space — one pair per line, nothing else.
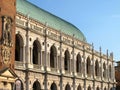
29, 35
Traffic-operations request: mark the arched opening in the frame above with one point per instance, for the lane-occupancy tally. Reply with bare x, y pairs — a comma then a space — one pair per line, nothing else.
18, 85
97, 88
88, 66
66, 60
105, 88
36, 52
67, 87
104, 70
110, 74
113, 89
79, 88
53, 57
89, 88
36, 85
53, 87
78, 64
96, 68
18, 48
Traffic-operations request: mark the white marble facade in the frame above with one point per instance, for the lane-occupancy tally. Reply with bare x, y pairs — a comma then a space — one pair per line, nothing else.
48, 59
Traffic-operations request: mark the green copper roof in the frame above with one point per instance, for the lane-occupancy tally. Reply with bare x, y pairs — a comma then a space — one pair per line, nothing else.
25, 7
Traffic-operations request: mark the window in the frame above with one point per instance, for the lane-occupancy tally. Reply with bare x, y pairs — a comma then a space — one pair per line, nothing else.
66, 60
53, 56
18, 85
78, 63
88, 68
96, 68
18, 48
36, 52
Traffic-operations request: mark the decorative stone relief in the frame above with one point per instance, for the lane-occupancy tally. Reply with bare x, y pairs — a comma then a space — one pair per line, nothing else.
6, 39
6, 54
7, 30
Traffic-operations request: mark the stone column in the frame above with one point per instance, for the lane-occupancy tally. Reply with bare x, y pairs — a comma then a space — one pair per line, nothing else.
24, 54
84, 68
45, 76
73, 59
101, 70
61, 62
31, 54
39, 58
27, 56
93, 71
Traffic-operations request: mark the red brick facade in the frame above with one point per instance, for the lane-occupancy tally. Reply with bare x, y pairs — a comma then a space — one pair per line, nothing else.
7, 9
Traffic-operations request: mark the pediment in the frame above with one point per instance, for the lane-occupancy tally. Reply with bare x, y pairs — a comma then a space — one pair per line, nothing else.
7, 72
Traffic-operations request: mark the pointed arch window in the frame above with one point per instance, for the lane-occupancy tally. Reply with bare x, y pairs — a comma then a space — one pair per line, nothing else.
18, 48
97, 88
78, 64
67, 87
18, 85
89, 88
36, 85
66, 60
53, 57
79, 88
53, 86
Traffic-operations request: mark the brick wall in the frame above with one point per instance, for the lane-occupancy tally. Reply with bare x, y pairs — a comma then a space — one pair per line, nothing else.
8, 8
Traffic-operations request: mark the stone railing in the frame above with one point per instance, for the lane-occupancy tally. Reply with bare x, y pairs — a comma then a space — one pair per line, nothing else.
19, 65
79, 74
36, 66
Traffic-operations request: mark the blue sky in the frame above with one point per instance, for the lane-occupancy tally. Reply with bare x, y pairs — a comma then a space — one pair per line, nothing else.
99, 20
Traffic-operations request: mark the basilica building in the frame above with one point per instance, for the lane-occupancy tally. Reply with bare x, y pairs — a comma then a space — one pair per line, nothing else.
53, 54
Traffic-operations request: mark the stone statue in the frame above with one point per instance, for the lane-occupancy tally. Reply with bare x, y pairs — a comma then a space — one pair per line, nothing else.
7, 28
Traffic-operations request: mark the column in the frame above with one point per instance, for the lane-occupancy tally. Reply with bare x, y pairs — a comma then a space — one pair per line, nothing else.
45, 78
31, 54
84, 68
24, 54
101, 65
107, 68
39, 58
61, 62
93, 72
27, 56
73, 55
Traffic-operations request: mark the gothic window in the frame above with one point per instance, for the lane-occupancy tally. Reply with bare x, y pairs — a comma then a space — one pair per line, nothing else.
88, 68
53, 87
97, 88
105, 88
96, 68
79, 88
78, 63
36, 85
67, 87
18, 48
18, 85
104, 70
36, 52
89, 88
53, 56
66, 60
